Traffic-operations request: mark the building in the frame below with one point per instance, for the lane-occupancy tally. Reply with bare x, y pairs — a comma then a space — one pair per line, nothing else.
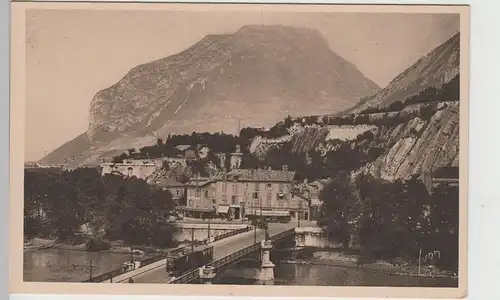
236, 157
141, 169
243, 191
310, 191
36, 168
177, 189
446, 175
200, 197
187, 151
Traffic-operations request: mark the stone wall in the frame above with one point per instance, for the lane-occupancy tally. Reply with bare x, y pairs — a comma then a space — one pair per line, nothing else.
201, 230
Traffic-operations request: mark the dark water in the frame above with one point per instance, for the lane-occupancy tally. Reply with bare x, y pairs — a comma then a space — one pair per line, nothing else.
56, 265
314, 275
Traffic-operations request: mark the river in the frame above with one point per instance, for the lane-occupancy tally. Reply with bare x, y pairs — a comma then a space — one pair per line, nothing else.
57, 265
314, 275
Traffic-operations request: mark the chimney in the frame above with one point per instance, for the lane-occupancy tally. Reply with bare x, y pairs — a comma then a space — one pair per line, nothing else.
285, 168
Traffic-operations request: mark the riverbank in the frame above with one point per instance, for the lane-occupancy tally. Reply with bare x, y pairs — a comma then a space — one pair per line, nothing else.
339, 259
118, 247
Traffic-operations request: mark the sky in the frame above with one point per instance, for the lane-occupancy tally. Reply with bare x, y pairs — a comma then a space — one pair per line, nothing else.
72, 54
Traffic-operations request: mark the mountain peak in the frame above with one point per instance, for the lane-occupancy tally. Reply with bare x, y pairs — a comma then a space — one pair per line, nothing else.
436, 68
260, 74
259, 28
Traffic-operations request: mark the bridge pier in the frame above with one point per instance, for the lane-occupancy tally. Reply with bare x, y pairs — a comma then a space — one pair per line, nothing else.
267, 268
207, 273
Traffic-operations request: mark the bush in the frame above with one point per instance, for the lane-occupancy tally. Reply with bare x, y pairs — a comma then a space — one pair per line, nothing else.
426, 112
97, 244
394, 220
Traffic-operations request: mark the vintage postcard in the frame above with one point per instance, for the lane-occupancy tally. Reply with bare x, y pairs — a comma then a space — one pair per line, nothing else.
251, 150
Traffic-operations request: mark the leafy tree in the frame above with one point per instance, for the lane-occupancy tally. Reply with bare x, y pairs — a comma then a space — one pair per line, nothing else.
426, 112
444, 220
340, 205
113, 206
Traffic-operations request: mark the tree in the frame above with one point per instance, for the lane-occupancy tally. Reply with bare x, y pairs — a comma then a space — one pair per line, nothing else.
113, 206
340, 205
426, 112
288, 122
444, 220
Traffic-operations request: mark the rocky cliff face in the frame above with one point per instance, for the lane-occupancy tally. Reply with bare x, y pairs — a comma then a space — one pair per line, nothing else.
259, 74
418, 147
415, 147
434, 69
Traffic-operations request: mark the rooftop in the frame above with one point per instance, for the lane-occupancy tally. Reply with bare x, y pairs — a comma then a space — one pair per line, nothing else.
183, 147
260, 175
169, 182
201, 181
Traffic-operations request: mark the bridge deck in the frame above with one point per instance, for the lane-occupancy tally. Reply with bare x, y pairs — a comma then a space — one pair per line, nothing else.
222, 249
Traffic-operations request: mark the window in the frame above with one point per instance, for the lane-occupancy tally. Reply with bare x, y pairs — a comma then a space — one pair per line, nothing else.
280, 196
206, 193
190, 203
197, 192
224, 187
178, 192
281, 187
269, 186
224, 199
257, 186
255, 195
235, 188
233, 199
269, 199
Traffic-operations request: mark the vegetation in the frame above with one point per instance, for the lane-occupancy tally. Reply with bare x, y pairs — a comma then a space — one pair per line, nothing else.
449, 91
114, 208
393, 220
446, 172
345, 155
217, 142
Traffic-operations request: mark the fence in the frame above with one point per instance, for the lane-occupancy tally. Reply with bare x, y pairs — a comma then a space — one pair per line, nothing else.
110, 275
231, 233
192, 275
124, 269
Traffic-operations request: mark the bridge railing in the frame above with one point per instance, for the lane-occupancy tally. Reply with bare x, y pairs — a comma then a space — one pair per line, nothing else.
109, 275
231, 233
191, 275
147, 261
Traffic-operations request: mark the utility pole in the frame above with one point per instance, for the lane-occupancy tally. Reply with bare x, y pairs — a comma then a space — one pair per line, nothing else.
255, 233
131, 254
298, 214
260, 203
209, 217
192, 239
90, 267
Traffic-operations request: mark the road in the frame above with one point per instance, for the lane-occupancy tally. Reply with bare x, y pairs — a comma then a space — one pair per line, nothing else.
212, 221
222, 248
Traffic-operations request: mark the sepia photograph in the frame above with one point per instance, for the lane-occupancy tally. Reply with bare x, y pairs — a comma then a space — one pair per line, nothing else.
232, 146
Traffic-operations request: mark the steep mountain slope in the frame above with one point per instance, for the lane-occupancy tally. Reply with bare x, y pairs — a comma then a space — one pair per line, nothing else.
434, 69
424, 137
259, 74
419, 147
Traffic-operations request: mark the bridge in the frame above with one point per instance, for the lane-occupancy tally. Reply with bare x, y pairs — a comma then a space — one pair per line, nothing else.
226, 251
